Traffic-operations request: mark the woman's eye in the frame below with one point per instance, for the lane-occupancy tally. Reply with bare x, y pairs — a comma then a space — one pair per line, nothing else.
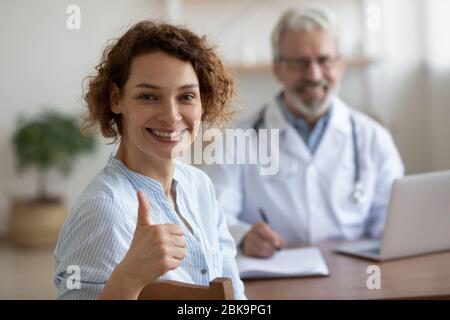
147, 97
187, 97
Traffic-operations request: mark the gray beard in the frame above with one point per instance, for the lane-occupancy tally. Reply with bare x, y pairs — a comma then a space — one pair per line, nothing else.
313, 109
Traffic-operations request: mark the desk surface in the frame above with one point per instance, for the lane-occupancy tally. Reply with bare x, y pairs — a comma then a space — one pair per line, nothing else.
420, 277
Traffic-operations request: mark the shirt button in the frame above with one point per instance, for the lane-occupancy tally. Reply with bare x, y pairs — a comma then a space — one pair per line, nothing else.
203, 271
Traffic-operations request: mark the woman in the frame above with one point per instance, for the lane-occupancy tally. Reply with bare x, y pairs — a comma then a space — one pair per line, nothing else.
146, 216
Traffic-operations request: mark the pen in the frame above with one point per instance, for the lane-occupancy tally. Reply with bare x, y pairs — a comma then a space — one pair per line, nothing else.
266, 221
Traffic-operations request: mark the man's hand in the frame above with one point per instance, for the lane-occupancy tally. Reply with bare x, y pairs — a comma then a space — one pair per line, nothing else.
261, 241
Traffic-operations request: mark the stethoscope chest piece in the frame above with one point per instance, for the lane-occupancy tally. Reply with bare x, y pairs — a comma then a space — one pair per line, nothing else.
358, 192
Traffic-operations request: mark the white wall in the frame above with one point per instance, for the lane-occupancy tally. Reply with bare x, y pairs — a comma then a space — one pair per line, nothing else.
241, 29
438, 62
43, 63
398, 85
396, 89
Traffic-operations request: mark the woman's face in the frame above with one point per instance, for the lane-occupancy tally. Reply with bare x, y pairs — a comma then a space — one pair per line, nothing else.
160, 106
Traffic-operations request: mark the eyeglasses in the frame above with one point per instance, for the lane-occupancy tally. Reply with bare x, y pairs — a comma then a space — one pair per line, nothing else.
302, 64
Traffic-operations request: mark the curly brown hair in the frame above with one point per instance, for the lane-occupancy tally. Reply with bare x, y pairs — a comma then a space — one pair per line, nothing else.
216, 84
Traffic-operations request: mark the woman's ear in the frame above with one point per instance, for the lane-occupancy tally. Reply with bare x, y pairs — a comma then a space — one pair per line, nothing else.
114, 99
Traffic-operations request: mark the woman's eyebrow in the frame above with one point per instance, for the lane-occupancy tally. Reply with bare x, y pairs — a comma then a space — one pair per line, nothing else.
147, 85
152, 86
188, 86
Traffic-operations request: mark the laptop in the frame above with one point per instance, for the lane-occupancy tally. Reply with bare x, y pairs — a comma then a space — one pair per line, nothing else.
417, 222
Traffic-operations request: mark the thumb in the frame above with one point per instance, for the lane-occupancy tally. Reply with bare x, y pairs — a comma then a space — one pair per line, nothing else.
143, 218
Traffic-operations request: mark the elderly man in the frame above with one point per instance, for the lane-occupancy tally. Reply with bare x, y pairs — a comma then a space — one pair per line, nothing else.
337, 165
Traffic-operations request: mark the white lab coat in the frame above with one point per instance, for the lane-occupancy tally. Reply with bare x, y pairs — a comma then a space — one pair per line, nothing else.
309, 199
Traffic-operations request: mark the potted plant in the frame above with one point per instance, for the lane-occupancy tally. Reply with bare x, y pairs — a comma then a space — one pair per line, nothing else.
50, 141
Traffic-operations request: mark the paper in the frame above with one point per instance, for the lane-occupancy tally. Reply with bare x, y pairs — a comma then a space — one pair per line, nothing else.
297, 262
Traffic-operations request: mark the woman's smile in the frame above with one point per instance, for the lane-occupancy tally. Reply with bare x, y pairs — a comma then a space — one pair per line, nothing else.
167, 135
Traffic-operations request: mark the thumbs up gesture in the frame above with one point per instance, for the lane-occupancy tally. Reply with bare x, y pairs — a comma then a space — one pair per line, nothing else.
155, 248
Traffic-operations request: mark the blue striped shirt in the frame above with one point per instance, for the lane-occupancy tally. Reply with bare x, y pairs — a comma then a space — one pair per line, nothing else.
98, 232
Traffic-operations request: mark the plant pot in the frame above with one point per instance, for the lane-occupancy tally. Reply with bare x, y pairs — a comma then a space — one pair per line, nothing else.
36, 223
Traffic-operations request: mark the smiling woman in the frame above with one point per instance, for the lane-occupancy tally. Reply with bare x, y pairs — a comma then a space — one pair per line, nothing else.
215, 84
147, 216
159, 107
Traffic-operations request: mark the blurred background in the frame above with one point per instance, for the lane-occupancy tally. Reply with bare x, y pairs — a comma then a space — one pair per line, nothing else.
399, 72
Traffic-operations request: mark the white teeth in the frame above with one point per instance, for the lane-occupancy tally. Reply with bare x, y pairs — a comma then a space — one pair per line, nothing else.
166, 134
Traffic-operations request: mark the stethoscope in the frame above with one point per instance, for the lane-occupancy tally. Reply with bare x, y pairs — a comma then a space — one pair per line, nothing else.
357, 194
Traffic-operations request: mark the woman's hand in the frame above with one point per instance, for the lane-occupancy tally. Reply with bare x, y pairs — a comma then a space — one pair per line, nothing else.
154, 250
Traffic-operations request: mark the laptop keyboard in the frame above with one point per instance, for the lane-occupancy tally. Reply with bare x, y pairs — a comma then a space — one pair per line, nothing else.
375, 250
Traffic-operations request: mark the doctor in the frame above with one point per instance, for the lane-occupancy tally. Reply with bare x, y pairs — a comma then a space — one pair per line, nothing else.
336, 164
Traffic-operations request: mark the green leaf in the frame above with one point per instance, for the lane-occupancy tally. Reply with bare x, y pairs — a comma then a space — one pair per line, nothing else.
50, 141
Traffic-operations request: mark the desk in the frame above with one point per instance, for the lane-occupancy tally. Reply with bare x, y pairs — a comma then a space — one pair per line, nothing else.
420, 277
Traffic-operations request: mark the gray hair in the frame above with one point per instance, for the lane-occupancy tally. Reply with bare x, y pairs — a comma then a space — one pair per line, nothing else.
304, 19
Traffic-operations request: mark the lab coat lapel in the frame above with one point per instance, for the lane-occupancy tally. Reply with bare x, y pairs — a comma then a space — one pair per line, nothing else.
336, 133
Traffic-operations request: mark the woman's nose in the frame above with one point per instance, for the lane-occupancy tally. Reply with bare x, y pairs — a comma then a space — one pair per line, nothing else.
170, 112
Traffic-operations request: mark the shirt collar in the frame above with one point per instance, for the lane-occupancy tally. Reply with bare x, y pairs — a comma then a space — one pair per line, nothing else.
301, 123
139, 180
339, 118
